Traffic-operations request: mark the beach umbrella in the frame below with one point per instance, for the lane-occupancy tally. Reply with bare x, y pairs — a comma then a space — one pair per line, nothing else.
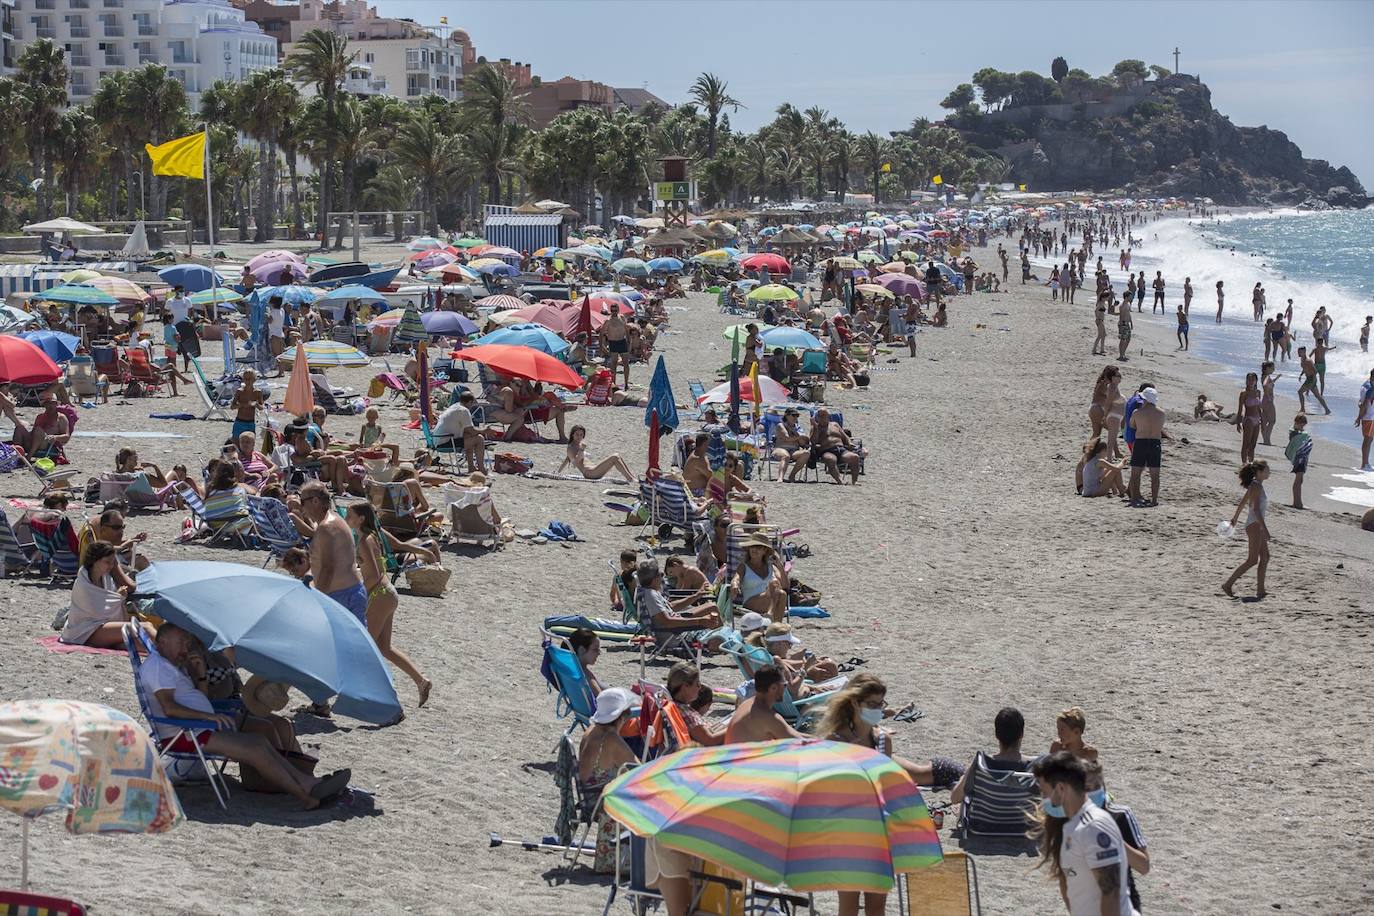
501, 302
662, 405
60, 347
63, 224
609, 303
457, 273
88, 760
548, 313
218, 295
809, 815
584, 319
873, 289
770, 391
353, 291
11, 318
467, 243
869, 257
431, 259
274, 272
582, 251
500, 251
274, 255
734, 398
77, 295
739, 333
790, 339
716, 256
300, 393
279, 629
191, 277
631, 267
326, 354
522, 362
497, 268
80, 275
526, 334
909, 256
773, 263
772, 292
422, 369
902, 285
846, 263
410, 329
450, 324
24, 363
425, 243
290, 295
665, 266
122, 289
548, 251
894, 266
388, 319
649, 222
654, 436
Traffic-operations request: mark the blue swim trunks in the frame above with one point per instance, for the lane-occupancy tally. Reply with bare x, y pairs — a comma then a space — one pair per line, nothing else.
355, 599
242, 426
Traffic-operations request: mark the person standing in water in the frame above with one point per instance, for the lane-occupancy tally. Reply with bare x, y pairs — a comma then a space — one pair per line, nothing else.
1364, 333
1255, 503
1187, 294
1221, 300
1159, 293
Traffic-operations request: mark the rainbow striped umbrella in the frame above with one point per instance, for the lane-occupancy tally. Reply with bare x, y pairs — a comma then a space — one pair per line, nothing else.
813, 815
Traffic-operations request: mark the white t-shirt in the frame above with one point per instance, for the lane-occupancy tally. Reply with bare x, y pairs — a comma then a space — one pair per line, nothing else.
1092, 841
276, 322
453, 422
156, 673
180, 307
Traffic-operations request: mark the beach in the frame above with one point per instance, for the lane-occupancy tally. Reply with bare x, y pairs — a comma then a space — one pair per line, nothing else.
963, 567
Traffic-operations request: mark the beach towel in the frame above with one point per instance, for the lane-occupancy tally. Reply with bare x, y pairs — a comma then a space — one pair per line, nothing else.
172, 416
54, 644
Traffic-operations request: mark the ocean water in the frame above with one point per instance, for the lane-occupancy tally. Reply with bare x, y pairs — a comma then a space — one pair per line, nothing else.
1315, 259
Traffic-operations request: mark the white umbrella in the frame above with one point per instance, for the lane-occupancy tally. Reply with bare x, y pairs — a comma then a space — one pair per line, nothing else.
63, 224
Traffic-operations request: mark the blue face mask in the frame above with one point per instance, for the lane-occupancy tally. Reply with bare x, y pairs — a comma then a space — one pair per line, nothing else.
1099, 797
871, 716
1052, 809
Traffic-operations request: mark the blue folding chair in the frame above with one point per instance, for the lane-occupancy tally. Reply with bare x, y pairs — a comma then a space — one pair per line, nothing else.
563, 670
274, 527
797, 713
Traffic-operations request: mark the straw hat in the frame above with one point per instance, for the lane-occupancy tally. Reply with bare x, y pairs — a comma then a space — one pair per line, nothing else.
263, 697
758, 540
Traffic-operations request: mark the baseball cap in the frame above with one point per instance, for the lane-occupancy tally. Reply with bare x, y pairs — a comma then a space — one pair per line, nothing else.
611, 704
752, 621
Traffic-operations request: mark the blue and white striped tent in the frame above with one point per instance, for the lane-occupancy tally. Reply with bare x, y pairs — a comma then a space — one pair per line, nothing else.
30, 278
523, 231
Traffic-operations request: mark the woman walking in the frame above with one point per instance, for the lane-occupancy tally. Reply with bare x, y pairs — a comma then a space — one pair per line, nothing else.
382, 599
1248, 417
1256, 502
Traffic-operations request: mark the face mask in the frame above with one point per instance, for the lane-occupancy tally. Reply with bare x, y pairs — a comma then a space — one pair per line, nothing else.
1052, 809
1099, 797
871, 716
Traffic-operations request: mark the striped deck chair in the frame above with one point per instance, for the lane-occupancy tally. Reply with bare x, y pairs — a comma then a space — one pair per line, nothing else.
950, 886
698, 391
210, 394
56, 543
796, 712
274, 527
738, 533
997, 803
669, 504
223, 514
14, 556
608, 630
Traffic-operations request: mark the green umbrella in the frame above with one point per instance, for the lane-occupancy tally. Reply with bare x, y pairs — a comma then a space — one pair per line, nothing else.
772, 292
738, 332
219, 294
77, 295
469, 243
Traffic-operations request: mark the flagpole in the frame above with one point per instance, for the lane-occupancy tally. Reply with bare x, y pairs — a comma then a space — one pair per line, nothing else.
210, 233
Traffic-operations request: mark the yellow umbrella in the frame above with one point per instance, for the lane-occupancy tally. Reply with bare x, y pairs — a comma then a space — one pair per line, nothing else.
772, 292
300, 393
845, 263
908, 256
80, 275
873, 289
484, 262
716, 255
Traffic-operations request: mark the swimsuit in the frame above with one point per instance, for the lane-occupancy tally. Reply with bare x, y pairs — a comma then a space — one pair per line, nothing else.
752, 585
354, 598
618, 346
1250, 418
1147, 453
242, 426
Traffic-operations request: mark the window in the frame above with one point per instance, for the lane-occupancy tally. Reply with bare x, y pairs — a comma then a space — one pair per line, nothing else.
369, 58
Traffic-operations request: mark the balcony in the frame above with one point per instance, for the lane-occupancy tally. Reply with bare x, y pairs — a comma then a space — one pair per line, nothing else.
147, 28
365, 85
112, 4
114, 59
80, 89
81, 31
44, 31
147, 57
114, 30
79, 4
45, 4
181, 57
80, 60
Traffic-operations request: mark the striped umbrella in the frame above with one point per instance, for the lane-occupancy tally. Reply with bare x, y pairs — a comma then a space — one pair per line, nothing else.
122, 289
77, 295
388, 319
632, 267
812, 815
220, 295
501, 302
469, 243
411, 329
324, 354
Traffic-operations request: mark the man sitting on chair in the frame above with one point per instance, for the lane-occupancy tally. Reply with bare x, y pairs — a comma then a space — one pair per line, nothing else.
455, 425
695, 621
172, 693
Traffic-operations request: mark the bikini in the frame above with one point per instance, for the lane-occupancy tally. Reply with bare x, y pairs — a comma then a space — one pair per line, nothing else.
1250, 418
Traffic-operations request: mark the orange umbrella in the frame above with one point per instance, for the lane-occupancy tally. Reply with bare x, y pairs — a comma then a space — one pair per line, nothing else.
522, 362
300, 394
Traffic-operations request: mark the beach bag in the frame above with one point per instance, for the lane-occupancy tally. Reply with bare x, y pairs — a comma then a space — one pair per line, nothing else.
510, 463
428, 581
599, 392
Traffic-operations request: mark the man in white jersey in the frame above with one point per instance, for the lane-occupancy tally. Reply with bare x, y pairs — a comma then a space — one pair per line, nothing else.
1091, 856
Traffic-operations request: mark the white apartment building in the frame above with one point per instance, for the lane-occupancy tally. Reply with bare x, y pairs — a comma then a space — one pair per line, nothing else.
199, 41
407, 68
8, 54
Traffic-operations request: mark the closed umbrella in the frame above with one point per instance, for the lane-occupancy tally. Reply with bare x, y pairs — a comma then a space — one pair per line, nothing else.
662, 405
810, 815
422, 369
24, 363
300, 393
278, 628
91, 761
522, 362
411, 329
733, 398
58, 346
528, 334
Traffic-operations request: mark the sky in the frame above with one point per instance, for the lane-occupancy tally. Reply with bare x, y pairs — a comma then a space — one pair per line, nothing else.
1305, 68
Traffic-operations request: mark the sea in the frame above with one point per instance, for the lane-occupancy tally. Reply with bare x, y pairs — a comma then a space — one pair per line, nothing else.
1314, 258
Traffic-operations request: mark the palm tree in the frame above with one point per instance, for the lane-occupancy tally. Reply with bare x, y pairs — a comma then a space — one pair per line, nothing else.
42, 78
391, 189
157, 102
322, 59
710, 93
265, 100
842, 159
816, 145
78, 152
110, 108
427, 154
494, 107
289, 139
353, 143
758, 167
872, 152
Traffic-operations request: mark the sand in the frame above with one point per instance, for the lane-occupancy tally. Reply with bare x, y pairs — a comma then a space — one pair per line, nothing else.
963, 567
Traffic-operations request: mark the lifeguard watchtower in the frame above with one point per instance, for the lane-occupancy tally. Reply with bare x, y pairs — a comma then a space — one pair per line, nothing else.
675, 190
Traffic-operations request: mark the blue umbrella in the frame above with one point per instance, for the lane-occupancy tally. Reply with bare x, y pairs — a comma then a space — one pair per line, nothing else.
60, 347
528, 334
498, 270
343, 293
191, 277
279, 629
790, 339
291, 295
665, 266
661, 398
450, 324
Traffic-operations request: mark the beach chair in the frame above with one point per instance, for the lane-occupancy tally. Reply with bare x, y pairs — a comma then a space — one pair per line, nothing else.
811, 375
141, 370
697, 389
14, 556
55, 541
396, 509
609, 631
209, 396
109, 364
563, 670
797, 713
175, 749
738, 533
272, 521
22, 903
453, 449
997, 803
669, 504
59, 478
400, 387
471, 518
947, 888
224, 515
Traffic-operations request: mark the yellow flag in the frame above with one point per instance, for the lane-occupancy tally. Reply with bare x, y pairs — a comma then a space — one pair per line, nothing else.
887, 166
183, 156
754, 380
1021, 187
937, 180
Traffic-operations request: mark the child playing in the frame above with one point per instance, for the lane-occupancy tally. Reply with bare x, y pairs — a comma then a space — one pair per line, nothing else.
1070, 725
1299, 451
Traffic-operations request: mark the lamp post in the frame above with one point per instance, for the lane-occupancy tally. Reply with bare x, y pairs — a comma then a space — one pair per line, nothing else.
139, 173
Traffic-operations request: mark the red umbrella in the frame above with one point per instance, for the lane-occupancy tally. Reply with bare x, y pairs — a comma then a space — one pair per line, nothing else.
23, 363
608, 302
653, 440
522, 362
773, 263
584, 318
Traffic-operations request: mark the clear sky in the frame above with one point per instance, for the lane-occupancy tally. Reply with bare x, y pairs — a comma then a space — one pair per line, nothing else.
1306, 68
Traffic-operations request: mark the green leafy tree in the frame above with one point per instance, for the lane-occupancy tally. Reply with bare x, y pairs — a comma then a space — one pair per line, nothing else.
1130, 72
872, 153
1059, 68
1159, 72
959, 97
496, 112
994, 85
42, 82
157, 103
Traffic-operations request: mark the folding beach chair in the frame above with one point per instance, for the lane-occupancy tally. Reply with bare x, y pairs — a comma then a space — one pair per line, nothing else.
471, 518
174, 748
563, 670
668, 504
56, 543
396, 509
109, 364
797, 713
272, 520
141, 370
697, 390
224, 515
947, 888
452, 449
400, 388
59, 478
811, 375
208, 396
997, 803
14, 557
738, 533
608, 630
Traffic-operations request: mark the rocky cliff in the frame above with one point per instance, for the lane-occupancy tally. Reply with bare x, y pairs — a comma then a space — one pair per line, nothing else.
1173, 143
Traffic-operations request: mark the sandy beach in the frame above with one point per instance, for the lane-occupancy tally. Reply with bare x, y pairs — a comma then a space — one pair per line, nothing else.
963, 567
